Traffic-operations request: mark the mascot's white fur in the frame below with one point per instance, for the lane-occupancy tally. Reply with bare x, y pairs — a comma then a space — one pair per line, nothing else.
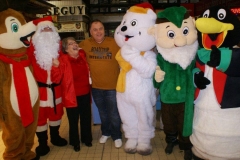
135, 92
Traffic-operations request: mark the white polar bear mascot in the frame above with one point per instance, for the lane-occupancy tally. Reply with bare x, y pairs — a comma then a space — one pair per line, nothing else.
135, 92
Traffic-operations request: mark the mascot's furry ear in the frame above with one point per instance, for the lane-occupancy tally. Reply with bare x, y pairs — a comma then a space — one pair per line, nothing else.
152, 30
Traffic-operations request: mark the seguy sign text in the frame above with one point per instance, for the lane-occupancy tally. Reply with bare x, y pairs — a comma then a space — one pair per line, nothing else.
67, 10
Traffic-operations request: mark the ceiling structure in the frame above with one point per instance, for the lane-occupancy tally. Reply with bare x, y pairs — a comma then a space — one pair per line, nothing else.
121, 6
29, 8
26, 6
38, 7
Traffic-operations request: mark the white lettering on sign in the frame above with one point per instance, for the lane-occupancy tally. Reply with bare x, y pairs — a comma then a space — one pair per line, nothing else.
67, 10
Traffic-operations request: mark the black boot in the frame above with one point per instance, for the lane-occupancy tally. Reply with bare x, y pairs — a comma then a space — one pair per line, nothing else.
43, 148
55, 137
171, 140
188, 154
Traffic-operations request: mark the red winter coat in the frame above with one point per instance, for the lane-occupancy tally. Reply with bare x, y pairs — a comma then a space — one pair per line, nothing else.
80, 72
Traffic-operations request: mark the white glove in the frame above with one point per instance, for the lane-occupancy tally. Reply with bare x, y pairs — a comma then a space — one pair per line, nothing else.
159, 74
129, 52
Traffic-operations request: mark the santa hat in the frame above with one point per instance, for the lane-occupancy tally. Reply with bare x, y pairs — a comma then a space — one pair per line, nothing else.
44, 22
47, 18
173, 14
141, 8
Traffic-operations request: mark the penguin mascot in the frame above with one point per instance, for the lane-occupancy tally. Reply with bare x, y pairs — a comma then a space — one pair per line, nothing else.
216, 131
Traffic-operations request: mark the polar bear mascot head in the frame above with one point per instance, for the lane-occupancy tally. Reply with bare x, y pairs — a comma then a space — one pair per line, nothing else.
134, 26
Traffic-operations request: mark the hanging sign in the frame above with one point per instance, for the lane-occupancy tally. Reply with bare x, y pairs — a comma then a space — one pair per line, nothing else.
67, 10
70, 27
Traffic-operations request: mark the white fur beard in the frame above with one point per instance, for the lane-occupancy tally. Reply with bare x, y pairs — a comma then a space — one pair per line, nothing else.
180, 55
46, 46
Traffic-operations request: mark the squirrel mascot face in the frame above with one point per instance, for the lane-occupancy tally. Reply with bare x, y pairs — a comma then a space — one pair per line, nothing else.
14, 31
134, 26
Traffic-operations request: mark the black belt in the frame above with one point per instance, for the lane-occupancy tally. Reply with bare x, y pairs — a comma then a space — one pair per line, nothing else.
51, 86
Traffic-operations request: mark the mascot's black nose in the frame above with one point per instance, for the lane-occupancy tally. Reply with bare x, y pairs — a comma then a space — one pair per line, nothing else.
124, 28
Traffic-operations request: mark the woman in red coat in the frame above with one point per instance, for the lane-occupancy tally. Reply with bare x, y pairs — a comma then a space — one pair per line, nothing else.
80, 70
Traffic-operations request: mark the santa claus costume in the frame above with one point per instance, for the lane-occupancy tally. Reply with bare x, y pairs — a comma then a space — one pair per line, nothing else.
43, 51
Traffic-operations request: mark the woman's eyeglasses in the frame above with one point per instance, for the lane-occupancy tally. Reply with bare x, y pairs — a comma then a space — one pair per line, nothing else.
72, 43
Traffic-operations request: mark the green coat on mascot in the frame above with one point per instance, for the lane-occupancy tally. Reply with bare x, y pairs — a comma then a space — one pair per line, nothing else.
176, 42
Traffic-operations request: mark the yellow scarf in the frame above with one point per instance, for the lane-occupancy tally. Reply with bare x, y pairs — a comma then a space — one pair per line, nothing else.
125, 67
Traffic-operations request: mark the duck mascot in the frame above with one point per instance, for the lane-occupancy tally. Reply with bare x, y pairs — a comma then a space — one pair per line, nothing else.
19, 97
135, 92
216, 131
176, 42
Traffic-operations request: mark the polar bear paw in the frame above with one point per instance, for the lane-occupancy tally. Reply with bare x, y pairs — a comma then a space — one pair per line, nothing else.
144, 149
131, 146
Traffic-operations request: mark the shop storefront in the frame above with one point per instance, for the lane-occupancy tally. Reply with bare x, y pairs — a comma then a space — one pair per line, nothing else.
70, 19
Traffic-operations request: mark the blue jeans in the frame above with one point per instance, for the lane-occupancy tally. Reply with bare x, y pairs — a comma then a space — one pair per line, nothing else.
107, 106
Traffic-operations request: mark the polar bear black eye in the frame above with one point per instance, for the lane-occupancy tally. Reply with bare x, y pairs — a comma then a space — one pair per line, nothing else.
185, 31
134, 22
171, 34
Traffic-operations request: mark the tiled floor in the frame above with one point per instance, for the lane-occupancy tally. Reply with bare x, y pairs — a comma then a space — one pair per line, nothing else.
105, 151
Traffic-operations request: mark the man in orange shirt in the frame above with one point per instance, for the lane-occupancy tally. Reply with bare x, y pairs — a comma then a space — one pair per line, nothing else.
104, 70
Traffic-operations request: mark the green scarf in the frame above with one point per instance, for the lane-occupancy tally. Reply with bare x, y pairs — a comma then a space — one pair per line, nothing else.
226, 54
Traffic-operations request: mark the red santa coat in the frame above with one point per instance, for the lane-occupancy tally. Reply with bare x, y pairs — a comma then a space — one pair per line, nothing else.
64, 92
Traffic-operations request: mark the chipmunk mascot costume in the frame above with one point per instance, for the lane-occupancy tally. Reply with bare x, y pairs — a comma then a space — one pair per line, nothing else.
216, 131
135, 92
19, 99
176, 41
